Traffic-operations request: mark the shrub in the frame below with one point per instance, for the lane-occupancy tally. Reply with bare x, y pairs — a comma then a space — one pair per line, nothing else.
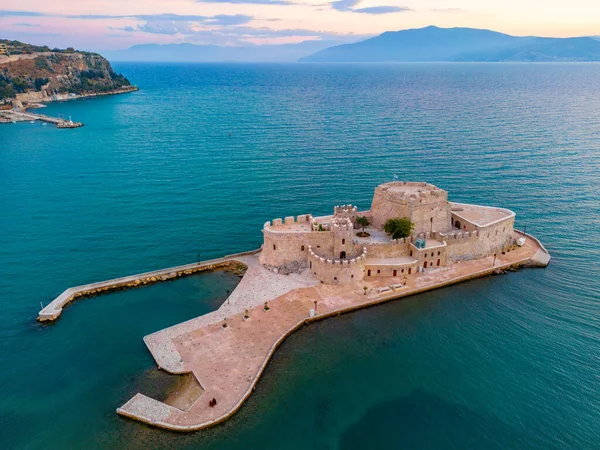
6, 90
19, 85
42, 63
39, 82
399, 228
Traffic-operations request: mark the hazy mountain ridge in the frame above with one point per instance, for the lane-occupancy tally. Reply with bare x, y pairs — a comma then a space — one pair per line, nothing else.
459, 44
214, 53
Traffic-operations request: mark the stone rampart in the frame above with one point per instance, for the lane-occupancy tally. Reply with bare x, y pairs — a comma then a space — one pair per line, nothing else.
391, 249
303, 218
281, 248
391, 270
337, 271
485, 241
470, 225
459, 236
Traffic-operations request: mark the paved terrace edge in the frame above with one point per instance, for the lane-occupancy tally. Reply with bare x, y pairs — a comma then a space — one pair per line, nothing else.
535, 260
53, 310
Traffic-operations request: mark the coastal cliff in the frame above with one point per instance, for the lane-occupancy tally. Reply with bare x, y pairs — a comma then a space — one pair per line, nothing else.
33, 73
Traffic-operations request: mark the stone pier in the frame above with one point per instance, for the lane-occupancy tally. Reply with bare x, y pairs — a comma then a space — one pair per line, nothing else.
54, 309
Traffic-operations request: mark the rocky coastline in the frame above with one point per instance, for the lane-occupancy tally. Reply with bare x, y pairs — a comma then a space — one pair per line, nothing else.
32, 74
31, 101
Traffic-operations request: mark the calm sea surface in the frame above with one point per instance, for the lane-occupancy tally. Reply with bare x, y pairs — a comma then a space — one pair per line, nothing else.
195, 163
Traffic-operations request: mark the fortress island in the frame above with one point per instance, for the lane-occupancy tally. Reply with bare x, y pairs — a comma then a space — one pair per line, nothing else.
307, 269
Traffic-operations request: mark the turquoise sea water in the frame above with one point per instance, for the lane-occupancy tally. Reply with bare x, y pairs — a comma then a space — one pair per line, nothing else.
195, 163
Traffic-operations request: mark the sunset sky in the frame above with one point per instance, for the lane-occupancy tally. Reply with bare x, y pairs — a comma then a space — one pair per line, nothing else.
117, 24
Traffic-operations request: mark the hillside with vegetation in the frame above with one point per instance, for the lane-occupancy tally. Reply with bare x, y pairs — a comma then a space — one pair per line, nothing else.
48, 72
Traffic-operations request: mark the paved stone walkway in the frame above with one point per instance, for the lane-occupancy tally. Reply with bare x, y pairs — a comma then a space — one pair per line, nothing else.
258, 286
229, 361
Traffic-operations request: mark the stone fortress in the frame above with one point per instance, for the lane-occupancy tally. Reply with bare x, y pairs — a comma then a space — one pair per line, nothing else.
310, 268
444, 233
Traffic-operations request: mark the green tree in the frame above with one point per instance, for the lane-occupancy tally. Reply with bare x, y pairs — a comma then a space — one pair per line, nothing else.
363, 222
399, 228
39, 82
6, 90
19, 85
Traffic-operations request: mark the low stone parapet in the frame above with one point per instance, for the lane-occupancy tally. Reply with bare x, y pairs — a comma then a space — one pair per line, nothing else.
337, 271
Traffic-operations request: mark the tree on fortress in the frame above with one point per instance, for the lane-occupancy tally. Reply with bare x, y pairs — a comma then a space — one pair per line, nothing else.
363, 222
399, 228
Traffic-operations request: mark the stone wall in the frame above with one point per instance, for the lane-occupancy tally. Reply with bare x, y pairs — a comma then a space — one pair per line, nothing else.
390, 270
281, 247
430, 257
392, 249
485, 241
337, 271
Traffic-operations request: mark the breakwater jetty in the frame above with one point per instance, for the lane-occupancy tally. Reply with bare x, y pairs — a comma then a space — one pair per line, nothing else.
54, 309
10, 116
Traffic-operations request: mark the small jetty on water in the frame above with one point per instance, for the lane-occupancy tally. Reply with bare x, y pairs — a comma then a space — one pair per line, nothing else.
12, 116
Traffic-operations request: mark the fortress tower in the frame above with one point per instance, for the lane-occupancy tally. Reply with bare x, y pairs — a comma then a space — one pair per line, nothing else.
342, 228
424, 204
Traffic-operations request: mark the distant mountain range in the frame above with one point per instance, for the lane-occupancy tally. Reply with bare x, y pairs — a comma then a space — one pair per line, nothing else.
216, 53
423, 44
460, 44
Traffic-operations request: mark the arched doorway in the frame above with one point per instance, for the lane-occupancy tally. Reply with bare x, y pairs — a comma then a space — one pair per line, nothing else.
342, 255
395, 272
425, 265
457, 224
438, 262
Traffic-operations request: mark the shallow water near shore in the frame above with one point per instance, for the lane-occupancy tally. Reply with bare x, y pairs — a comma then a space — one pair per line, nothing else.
195, 162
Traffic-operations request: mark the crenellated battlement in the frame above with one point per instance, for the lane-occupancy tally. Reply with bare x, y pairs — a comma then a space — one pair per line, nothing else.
388, 243
339, 262
341, 224
345, 210
411, 193
290, 220
320, 226
456, 236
